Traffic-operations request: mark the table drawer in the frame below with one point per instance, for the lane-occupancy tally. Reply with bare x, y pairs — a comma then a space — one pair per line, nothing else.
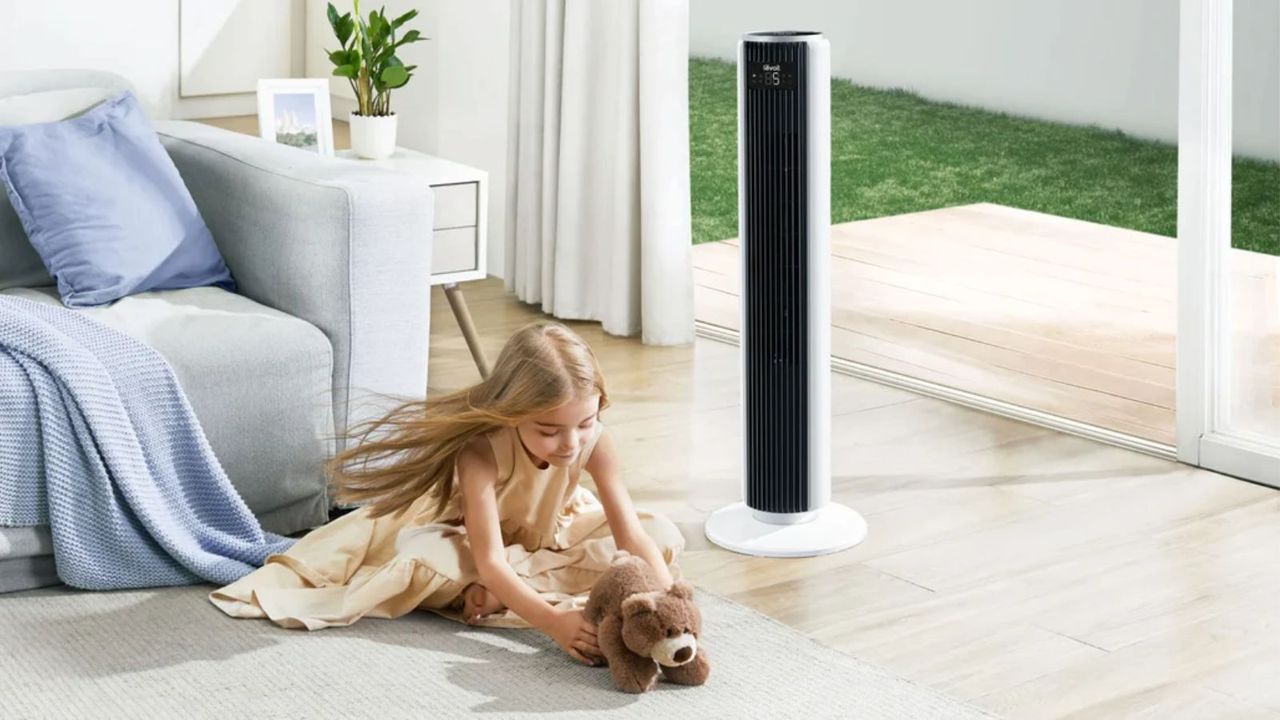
456, 205
454, 250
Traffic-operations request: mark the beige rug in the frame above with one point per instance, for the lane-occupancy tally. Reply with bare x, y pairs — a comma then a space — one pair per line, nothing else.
168, 653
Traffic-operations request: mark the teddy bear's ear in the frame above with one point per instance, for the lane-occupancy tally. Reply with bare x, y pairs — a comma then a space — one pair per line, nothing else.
620, 555
637, 604
682, 590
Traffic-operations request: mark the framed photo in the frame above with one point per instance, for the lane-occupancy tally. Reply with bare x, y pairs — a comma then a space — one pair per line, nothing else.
296, 112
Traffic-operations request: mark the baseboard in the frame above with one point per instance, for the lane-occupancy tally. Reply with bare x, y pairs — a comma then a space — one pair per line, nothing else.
972, 400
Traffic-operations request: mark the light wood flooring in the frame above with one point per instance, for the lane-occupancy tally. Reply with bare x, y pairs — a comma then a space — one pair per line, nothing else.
1065, 316
1033, 573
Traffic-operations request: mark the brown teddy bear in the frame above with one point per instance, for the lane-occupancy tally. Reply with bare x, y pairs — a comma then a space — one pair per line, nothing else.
641, 627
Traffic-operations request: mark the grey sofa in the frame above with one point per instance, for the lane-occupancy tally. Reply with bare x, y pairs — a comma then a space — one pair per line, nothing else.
328, 326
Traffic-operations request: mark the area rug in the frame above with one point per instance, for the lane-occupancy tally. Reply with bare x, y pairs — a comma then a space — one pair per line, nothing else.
168, 653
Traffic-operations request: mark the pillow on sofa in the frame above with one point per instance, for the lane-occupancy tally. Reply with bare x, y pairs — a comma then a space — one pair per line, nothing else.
104, 206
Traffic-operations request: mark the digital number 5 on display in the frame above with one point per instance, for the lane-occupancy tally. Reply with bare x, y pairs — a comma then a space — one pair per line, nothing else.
771, 75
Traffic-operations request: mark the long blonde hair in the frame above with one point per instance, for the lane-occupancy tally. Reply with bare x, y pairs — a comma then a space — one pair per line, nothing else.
411, 450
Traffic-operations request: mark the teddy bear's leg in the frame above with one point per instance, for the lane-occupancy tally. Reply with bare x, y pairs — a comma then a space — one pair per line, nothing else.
691, 673
631, 672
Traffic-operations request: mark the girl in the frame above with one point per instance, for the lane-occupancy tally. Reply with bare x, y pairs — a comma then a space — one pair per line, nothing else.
471, 507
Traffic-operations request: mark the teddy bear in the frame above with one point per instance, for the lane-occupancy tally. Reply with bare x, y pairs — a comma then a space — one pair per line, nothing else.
642, 628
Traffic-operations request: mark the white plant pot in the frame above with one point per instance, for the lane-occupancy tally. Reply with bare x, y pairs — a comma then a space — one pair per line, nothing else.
373, 137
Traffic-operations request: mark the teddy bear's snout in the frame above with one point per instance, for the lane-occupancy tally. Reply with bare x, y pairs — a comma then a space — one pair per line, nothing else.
676, 651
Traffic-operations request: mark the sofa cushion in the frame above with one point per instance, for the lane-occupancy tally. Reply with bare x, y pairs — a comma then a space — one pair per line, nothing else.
26, 558
260, 382
20, 542
26, 573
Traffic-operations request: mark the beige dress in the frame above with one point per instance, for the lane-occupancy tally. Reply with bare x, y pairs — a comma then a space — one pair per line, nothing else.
554, 530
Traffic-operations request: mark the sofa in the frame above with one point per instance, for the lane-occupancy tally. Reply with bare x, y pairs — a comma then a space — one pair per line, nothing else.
327, 328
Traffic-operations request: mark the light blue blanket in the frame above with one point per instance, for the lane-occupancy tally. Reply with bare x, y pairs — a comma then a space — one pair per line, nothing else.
98, 441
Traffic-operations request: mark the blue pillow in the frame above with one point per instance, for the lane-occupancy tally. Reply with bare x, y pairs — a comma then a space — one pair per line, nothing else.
104, 206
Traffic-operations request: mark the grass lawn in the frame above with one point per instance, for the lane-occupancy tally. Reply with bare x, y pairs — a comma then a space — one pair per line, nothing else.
893, 152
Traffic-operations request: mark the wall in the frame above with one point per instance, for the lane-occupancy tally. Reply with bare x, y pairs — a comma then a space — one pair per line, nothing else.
472, 123
1113, 64
137, 39
455, 107
473, 39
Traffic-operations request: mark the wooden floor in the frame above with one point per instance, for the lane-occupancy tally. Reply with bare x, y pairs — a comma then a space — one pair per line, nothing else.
1060, 315
1036, 574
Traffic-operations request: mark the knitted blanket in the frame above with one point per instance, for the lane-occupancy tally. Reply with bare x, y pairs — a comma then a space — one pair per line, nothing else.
98, 441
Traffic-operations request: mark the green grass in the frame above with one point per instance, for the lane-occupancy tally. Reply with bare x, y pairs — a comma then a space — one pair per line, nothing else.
893, 152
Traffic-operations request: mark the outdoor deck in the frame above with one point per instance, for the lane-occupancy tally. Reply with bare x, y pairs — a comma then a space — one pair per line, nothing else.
1065, 316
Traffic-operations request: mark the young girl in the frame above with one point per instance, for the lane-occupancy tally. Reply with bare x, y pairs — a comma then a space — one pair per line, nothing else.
471, 507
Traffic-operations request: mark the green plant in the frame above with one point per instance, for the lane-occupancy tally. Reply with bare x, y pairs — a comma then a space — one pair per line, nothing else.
893, 152
367, 58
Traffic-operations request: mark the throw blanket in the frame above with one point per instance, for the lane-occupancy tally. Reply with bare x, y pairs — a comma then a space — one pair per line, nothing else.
98, 441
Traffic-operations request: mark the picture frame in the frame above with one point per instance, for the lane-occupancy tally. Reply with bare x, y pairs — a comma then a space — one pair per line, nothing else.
296, 112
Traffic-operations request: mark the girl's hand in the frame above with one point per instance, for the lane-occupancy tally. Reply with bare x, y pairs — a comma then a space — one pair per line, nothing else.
575, 635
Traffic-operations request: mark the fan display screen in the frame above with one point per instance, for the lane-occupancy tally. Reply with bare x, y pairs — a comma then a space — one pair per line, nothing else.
779, 75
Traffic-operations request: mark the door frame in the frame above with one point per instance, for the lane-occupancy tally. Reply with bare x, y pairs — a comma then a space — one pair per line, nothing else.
1204, 236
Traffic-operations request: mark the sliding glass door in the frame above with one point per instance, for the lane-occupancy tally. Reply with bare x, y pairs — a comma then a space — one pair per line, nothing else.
1228, 411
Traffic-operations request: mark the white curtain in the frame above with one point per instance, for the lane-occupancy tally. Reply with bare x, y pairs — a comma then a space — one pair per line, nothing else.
598, 183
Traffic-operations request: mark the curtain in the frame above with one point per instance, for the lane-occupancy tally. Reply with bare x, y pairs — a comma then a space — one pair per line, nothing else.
598, 165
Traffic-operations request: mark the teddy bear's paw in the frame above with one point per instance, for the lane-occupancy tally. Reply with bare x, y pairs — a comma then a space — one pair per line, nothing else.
635, 680
691, 673
638, 689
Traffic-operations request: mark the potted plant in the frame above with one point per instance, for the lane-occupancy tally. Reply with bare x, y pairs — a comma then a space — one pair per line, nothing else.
367, 58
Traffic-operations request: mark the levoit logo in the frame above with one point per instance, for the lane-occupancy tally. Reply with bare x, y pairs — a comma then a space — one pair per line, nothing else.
768, 68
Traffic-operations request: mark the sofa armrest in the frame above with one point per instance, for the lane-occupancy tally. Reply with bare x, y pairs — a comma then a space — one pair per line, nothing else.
342, 245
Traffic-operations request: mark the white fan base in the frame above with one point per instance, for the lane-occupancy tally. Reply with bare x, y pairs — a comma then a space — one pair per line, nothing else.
833, 528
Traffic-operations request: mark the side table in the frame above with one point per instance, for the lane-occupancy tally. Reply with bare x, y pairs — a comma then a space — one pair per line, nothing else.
461, 222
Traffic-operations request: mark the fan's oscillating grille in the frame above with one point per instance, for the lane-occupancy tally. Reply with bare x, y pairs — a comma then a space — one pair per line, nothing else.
775, 295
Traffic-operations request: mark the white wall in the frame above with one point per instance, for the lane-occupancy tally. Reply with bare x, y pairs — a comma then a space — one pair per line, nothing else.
472, 66
226, 46
1088, 62
137, 39
1256, 79
456, 104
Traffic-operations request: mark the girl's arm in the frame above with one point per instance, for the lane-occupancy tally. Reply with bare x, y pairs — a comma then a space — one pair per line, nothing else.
478, 474
567, 625
606, 469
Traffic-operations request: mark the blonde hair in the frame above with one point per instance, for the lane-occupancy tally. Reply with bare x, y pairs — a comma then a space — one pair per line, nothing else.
411, 450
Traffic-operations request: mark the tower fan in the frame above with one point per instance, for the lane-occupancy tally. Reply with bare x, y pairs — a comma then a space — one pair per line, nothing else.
784, 218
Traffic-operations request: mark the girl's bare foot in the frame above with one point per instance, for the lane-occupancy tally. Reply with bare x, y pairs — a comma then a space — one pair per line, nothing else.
477, 602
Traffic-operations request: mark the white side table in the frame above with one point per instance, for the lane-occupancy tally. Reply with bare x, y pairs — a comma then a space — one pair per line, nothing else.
461, 223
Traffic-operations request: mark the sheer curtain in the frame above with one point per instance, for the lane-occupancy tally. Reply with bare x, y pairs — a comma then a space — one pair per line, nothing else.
598, 188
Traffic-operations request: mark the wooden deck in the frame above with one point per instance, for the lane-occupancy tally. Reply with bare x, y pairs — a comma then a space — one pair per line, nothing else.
1033, 573
1064, 316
